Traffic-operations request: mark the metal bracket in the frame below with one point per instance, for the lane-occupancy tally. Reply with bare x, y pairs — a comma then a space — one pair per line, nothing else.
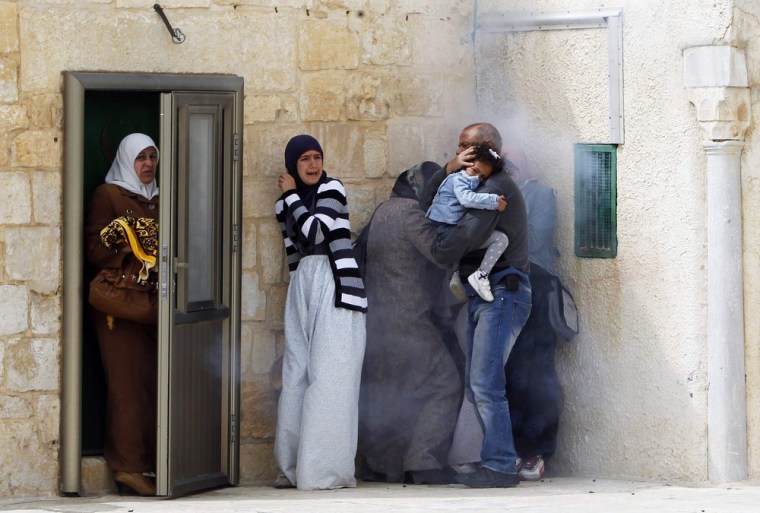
177, 35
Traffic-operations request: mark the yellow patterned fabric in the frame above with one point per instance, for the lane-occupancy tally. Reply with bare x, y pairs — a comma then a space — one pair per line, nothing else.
141, 234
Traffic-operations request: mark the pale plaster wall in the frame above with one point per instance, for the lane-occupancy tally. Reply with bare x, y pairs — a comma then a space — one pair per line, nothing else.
745, 33
372, 79
635, 379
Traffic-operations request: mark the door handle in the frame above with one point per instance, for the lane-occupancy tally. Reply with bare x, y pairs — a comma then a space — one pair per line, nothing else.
180, 265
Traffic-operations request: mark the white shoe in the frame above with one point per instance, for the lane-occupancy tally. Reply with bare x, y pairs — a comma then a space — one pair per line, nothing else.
532, 469
481, 285
455, 284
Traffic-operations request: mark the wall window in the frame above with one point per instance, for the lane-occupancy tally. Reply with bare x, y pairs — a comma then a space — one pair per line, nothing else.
595, 200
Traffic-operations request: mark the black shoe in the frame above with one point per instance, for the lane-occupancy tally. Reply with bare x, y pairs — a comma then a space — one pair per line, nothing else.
486, 478
283, 482
433, 476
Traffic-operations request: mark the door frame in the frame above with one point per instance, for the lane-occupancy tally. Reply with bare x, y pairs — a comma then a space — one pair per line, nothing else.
76, 84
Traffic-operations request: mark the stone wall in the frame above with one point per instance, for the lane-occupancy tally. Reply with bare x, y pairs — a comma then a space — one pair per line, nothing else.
371, 79
30, 257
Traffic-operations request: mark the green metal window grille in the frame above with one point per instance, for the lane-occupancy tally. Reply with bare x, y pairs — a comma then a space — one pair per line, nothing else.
595, 200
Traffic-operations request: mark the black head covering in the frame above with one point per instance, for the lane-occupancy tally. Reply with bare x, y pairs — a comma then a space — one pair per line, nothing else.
296, 147
410, 183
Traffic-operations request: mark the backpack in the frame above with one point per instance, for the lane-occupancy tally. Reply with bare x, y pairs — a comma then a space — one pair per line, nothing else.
563, 314
360, 249
360, 246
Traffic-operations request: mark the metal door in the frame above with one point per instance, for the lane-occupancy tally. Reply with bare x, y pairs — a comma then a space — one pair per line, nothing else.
199, 292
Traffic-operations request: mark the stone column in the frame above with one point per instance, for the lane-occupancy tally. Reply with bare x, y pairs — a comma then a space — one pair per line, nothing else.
716, 81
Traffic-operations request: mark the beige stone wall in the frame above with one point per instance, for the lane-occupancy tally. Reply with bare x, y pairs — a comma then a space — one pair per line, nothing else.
383, 84
30, 257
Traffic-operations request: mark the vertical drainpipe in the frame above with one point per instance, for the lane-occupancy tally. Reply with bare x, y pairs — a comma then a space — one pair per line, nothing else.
715, 78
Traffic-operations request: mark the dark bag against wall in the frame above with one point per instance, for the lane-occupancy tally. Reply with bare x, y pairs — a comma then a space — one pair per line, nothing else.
563, 314
360, 245
118, 292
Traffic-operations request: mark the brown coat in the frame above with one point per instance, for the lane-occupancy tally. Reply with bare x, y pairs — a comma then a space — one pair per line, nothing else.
109, 202
128, 349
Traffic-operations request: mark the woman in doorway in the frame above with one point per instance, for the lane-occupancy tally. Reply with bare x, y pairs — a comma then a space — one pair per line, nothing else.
317, 422
128, 347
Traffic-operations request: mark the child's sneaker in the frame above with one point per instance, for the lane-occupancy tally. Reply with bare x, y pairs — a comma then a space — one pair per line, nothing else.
455, 284
481, 285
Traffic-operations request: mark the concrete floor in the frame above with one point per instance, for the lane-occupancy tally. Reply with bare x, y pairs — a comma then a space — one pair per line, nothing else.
566, 495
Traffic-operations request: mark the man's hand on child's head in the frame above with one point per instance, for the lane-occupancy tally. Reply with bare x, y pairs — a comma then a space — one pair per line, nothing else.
462, 160
502, 206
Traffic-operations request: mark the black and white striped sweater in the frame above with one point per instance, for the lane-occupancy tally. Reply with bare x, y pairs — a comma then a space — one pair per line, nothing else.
330, 225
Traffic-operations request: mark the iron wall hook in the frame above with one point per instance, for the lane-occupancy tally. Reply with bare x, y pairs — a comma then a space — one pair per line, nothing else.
177, 35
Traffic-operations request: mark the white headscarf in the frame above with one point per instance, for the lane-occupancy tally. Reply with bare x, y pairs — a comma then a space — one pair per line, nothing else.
122, 172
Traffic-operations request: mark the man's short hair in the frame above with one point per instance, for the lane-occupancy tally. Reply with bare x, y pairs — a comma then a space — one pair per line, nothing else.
487, 132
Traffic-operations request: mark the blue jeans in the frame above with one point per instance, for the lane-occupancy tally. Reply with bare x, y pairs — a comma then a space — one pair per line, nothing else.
492, 329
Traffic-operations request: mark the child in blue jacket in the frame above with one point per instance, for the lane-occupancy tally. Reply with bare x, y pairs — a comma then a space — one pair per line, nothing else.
454, 196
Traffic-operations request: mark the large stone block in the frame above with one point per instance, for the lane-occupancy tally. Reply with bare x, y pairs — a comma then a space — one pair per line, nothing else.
16, 207
8, 80
34, 255
14, 407
272, 252
361, 201
256, 43
246, 346
48, 412
368, 98
265, 149
276, 310
411, 143
326, 45
387, 43
253, 300
46, 190
14, 315
259, 197
301, 4
166, 4
323, 95
8, 31
32, 365
258, 408
28, 468
46, 110
452, 53
270, 108
257, 463
263, 349
248, 248
375, 152
335, 95
419, 95
38, 148
46, 314
13, 117
97, 478
343, 145
434, 8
